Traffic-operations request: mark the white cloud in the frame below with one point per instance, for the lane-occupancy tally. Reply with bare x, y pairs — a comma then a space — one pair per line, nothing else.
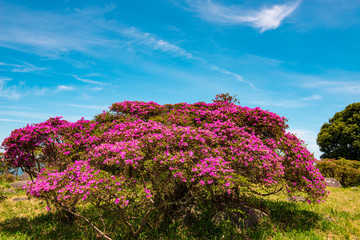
10, 120
4, 79
309, 137
22, 68
226, 72
264, 19
26, 115
52, 35
55, 35
279, 103
331, 81
85, 80
17, 91
65, 88
229, 73
154, 42
344, 87
333, 14
38, 115
39, 91
89, 106
164, 46
10, 92
97, 88
16, 107
313, 97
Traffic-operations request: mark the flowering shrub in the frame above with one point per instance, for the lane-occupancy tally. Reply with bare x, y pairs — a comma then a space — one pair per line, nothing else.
142, 159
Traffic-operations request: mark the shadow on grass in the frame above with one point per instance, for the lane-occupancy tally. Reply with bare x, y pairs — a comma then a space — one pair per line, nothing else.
291, 216
45, 226
283, 217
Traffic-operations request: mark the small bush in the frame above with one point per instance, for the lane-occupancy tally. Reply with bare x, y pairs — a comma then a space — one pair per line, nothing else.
347, 172
7, 177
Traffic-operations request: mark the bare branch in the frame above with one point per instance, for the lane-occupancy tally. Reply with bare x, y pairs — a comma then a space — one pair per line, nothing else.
264, 194
88, 221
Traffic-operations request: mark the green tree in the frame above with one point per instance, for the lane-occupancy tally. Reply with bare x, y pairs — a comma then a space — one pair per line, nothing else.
340, 137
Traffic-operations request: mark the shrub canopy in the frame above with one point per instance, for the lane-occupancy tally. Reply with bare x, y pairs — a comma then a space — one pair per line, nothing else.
148, 158
347, 172
340, 137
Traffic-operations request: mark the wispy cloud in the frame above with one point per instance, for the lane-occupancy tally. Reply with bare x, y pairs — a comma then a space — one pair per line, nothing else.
328, 14
52, 35
232, 74
25, 115
85, 80
313, 97
10, 92
280, 103
288, 102
65, 88
97, 88
56, 35
22, 68
11, 120
335, 86
16, 107
39, 91
266, 18
5, 79
19, 90
331, 81
156, 43
96, 107
30, 117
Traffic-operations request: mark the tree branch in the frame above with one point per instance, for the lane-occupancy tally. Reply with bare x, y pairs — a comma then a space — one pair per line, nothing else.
264, 194
88, 221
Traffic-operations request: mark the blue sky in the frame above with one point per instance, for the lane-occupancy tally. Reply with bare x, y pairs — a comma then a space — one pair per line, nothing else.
299, 59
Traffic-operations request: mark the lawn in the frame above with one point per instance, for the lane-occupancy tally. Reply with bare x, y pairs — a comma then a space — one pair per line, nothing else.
337, 218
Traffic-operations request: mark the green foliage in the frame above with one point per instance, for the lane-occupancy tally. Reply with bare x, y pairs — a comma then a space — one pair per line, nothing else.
3, 167
4, 175
347, 172
340, 137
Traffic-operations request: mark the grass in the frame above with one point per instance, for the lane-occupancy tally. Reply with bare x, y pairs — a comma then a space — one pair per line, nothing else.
337, 218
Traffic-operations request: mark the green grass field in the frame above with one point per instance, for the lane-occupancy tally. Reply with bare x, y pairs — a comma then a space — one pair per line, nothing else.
337, 218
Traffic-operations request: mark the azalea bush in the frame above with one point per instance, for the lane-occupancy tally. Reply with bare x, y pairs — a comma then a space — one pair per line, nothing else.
143, 161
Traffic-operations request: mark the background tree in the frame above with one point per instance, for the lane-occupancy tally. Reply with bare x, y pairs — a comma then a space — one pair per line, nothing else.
340, 137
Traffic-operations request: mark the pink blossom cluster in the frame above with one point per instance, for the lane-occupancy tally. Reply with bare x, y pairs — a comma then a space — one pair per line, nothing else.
139, 109
53, 142
81, 182
25, 146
